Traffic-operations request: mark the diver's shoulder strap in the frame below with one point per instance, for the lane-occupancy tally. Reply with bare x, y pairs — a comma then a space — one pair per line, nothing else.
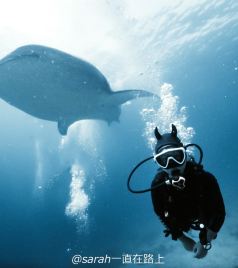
194, 165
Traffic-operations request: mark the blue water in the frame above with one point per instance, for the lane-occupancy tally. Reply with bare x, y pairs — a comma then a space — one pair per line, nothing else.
193, 47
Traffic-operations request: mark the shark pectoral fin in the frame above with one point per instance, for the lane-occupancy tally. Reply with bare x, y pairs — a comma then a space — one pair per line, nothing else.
63, 126
126, 95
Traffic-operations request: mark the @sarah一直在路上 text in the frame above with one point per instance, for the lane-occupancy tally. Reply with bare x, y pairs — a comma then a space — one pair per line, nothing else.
124, 259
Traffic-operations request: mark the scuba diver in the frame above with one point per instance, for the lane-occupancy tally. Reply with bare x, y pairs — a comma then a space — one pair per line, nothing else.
184, 195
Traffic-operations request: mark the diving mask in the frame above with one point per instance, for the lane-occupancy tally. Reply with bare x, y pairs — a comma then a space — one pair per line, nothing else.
170, 156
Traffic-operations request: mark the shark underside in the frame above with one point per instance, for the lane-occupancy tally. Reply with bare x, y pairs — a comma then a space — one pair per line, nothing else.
53, 85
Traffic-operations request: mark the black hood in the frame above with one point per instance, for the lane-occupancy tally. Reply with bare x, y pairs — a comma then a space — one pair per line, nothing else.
167, 139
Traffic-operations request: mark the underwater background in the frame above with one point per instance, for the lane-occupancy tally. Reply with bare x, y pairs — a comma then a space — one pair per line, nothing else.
62, 196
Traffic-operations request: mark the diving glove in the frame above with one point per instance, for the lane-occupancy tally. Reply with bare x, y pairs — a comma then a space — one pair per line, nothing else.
199, 251
206, 236
211, 235
187, 242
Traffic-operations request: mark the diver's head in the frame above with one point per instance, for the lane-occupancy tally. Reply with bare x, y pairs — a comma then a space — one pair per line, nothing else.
170, 154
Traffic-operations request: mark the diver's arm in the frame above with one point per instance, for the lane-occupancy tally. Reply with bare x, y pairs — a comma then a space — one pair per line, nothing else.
215, 204
212, 207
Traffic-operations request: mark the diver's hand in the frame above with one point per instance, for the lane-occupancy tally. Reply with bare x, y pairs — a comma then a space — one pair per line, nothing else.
211, 235
199, 251
206, 236
188, 243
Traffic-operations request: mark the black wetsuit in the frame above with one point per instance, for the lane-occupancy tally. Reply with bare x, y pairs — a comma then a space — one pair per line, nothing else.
200, 200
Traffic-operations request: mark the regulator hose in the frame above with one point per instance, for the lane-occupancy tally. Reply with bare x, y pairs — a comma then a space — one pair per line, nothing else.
131, 174
160, 184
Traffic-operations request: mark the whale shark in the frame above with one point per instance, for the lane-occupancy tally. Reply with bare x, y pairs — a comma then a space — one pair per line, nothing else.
53, 85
